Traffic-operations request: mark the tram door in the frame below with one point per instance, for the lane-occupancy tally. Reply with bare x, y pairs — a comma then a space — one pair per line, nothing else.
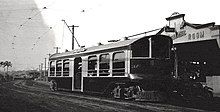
77, 73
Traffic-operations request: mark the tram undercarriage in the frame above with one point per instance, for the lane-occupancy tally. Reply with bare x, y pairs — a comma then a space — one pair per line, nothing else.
173, 90
137, 92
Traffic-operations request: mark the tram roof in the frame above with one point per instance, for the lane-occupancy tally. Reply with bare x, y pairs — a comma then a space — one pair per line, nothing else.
96, 48
92, 49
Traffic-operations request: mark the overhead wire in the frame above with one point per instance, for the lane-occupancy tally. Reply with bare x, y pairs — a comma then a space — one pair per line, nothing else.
29, 18
39, 12
19, 27
38, 38
15, 33
42, 35
24, 24
12, 24
11, 10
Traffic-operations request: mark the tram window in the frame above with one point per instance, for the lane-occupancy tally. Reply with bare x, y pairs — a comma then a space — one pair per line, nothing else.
104, 62
66, 67
58, 67
92, 66
160, 48
52, 68
118, 64
141, 49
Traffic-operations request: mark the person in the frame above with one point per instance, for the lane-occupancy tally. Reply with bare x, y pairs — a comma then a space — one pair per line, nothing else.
53, 85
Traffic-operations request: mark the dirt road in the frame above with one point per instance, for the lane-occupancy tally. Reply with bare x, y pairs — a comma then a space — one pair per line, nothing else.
29, 96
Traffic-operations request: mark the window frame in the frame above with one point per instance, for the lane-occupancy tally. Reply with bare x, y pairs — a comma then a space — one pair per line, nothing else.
93, 71
66, 70
121, 60
60, 64
104, 72
54, 68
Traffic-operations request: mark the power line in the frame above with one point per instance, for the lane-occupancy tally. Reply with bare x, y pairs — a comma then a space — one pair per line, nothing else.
24, 23
30, 18
40, 38
45, 33
13, 10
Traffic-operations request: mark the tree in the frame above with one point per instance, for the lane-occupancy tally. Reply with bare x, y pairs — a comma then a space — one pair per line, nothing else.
6, 64
1, 63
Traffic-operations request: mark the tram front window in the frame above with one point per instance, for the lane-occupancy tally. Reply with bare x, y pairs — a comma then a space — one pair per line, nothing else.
160, 49
152, 66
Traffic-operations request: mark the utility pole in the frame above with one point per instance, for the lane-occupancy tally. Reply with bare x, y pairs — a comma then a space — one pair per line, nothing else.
48, 67
57, 48
72, 31
41, 68
45, 65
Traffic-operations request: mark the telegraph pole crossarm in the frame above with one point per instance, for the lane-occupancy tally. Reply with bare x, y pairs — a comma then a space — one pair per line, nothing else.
72, 31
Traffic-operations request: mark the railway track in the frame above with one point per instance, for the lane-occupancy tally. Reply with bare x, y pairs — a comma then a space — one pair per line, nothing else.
93, 102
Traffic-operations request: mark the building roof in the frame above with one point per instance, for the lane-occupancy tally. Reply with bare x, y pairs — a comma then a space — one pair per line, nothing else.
198, 26
175, 16
195, 26
166, 29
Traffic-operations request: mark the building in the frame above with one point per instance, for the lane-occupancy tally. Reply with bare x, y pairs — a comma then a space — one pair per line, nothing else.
197, 48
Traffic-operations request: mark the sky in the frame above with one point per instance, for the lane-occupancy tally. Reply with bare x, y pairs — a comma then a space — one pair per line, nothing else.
30, 29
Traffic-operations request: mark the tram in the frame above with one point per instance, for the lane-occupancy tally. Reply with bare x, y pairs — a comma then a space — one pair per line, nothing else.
131, 68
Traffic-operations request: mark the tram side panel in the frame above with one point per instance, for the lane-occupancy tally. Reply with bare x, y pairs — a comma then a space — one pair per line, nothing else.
63, 83
64, 79
101, 84
117, 73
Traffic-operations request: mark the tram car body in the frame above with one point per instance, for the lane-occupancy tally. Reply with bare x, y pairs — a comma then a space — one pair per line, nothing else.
124, 69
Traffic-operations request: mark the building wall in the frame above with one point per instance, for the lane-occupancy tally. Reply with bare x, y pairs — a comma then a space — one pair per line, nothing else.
215, 34
177, 23
189, 33
213, 82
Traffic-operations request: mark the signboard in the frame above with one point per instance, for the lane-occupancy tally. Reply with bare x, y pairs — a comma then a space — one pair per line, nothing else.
196, 35
189, 34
